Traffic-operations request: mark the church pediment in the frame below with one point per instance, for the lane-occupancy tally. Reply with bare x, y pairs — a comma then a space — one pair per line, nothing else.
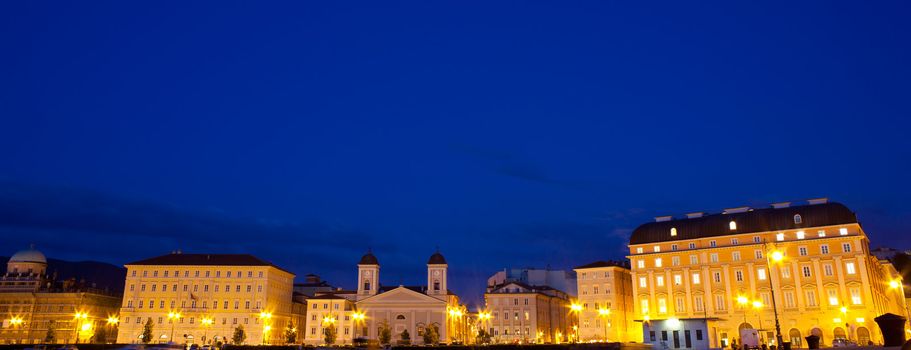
401, 295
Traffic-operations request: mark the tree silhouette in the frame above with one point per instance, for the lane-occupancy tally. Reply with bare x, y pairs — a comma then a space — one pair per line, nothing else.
147, 331
239, 335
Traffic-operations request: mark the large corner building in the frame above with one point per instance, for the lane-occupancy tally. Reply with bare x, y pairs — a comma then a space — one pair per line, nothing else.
704, 281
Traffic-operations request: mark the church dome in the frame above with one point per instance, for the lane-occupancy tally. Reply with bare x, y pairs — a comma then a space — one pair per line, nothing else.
436, 259
29, 256
369, 259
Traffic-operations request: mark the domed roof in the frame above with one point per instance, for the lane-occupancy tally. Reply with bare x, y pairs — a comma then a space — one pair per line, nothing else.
368, 259
436, 259
29, 255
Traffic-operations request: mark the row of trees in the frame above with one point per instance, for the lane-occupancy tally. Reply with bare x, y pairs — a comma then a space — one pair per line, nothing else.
237, 338
431, 335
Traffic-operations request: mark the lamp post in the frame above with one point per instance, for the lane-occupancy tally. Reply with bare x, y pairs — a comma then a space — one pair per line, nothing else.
206, 323
358, 318
112, 322
605, 317
80, 316
575, 308
330, 321
776, 256
757, 305
484, 317
172, 316
17, 322
267, 325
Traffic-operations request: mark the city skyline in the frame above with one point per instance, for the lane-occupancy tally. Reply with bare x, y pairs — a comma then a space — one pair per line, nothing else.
530, 135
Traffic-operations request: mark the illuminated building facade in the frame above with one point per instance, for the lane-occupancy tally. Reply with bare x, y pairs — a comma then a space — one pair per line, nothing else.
372, 307
606, 299
201, 298
36, 308
699, 280
521, 313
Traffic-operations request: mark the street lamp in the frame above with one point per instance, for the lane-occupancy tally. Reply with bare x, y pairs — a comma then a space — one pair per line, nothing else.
776, 256
575, 308
206, 323
172, 316
77, 317
484, 317
267, 326
604, 314
17, 322
358, 318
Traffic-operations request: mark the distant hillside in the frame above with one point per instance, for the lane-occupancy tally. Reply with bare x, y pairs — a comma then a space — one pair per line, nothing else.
104, 275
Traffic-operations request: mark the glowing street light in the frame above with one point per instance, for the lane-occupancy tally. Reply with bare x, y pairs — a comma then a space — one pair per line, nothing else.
112, 320
80, 317
895, 284
358, 318
776, 256
171, 317
575, 308
604, 313
206, 323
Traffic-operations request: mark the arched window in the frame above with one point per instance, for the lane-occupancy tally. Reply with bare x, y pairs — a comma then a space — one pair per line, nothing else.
366, 285
400, 317
673, 231
732, 225
798, 219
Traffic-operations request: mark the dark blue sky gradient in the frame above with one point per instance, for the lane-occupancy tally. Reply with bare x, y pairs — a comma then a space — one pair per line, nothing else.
506, 133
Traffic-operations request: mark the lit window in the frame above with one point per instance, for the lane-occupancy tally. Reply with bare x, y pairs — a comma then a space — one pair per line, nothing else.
713, 257
675, 261
643, 304
657, 249
843, 231
643, 282
639, 250
801, 234
849, 268
827, 269
779, 236
658, 262
694, 260
696, 278
821, 233
640, 264
735, 256
678, 280
786, 272
833, 297
761, 274
673, 231
659, 281
732, 225
855, 296
798, 219
662, 306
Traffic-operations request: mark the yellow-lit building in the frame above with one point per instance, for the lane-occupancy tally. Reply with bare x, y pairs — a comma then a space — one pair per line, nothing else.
36, 308
699, 280
201, 298
330, 310
521, 313
606, 301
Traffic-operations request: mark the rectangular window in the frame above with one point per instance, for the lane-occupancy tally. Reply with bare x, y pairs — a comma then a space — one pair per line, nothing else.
694, 260
821, 233
855, 296
735, 256
738, 275
662, 306
696, 278
827, 269
806, 271
640, 264
824, 249
642, 282
719, 303
833, 297
678, 280
811, 298
712, 244
735, 241
760, 273
846, 247
674, 247
697, 304
801, 235
843, 231
657, 249
849, 268
692, 245
789, 299
658, 262
675, 261
779, 237
639, 250
659, 281
786, 272
680, 305
802, 251
717, 277
713, 257
643, 305
757, 253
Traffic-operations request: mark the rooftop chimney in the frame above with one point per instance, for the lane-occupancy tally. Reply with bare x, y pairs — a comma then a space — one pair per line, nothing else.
815, 201
780, 205
736, 210
662, 218
697, 214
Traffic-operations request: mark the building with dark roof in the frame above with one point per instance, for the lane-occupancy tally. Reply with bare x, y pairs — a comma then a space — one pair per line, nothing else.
712, 275
606, 300
229, 290
520, 312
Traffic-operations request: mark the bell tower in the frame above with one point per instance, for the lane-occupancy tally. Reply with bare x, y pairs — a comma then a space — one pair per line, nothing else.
436, 275
368, 276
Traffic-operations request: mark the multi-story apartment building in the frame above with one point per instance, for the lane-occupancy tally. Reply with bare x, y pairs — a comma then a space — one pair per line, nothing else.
329, 310
564, 281
699, 280
37, 308
521, 313
606, 301
203, 298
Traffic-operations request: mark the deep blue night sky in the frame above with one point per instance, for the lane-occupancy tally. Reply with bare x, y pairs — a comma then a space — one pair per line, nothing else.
508, 133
